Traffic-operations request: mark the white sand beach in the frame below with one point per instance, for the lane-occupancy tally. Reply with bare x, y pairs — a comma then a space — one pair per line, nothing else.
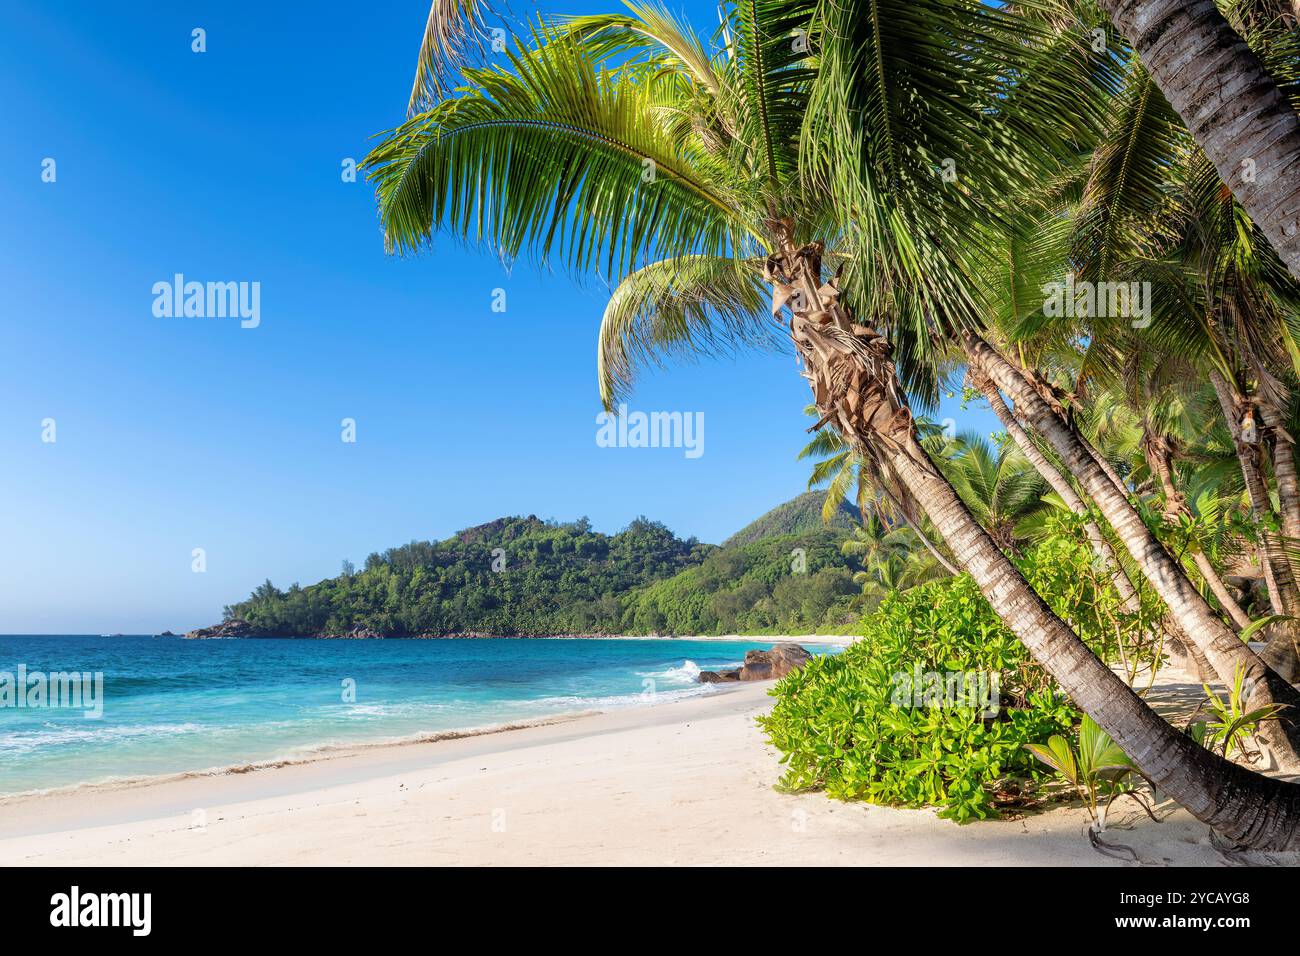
683, 783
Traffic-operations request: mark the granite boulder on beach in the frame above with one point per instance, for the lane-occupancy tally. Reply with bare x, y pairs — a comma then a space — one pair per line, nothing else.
762, 665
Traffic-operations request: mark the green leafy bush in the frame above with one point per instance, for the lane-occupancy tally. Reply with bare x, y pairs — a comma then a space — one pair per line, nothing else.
841, 726
1080, 591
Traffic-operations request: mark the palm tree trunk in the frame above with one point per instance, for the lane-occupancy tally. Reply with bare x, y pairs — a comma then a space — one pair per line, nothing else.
1283, 649
1240, 619
1161, 467
857, 391
1231, 105
1190, 610
1107, 468
1248, 807
1273, 563
1060, 484
1052, 395
1284, 473
1159, 457
1279, 578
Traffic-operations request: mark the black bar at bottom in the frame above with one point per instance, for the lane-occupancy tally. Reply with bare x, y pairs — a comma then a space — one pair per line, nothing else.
331, 906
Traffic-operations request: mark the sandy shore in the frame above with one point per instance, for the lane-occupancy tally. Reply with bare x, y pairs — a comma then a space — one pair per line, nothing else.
688, 782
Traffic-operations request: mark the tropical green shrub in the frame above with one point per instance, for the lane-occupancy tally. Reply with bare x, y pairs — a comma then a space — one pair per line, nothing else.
843, 726
1079, 589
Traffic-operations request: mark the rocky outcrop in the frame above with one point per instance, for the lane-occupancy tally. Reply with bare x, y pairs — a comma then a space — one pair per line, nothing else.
358, 633
762, 665
225, 629
718, 677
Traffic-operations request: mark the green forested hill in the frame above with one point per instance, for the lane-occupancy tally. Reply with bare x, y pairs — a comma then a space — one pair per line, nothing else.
528, 577
796, 516
754, 587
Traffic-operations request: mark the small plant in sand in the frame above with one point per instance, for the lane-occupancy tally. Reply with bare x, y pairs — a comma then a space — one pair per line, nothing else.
1097, 770
1233, 727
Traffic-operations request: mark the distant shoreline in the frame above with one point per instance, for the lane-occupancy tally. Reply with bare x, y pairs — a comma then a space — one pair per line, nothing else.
834, 640
821, 640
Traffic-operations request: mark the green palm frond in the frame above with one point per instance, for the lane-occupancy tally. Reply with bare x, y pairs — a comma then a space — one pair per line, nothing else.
1018, 265
824, 443
927, 143
769, 79
1127, 184
826, 469
996, 482
559, 158
649, 28
843, 481
685, 307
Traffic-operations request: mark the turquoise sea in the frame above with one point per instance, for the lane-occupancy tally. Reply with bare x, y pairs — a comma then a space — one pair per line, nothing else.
172, 705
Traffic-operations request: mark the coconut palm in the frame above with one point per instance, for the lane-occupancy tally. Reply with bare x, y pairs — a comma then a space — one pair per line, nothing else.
998, 485
844, 473
676, 168
890, 557
1162, 214
1122, 190
1038, 405
1230, 96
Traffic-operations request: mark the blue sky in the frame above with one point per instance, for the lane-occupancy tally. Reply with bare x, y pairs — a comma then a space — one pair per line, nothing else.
183, 433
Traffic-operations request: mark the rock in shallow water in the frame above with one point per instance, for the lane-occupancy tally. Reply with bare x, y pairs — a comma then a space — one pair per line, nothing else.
762, 665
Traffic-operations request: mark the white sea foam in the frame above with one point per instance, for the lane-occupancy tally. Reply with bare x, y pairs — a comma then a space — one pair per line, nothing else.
26, 741
687, 673
615, 701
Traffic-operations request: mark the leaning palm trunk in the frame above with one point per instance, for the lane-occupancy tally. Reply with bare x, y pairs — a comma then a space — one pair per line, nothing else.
1214, 790
1231, 105
1210, 574
858, 393
1284, 473
1060, 484
1283, 650
1190, 610
1159, 456
1195, 660
1106, 467
1279, 577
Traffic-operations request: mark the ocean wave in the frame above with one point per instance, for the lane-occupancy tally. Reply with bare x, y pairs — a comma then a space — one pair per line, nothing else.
295, 756
617, 701
687, 673
27, 741
547, 711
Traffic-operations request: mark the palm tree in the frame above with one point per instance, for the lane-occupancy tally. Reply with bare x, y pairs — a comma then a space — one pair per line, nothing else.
1160, 450
1005, 288
1228, 96
890, 558
1121, 185
1039, 405
840, 470
998, 485
632, 147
